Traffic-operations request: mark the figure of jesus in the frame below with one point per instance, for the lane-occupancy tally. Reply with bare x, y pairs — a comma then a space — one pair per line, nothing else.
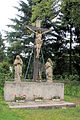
38, 42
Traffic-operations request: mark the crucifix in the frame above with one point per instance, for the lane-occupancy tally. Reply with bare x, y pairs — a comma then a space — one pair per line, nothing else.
38, 43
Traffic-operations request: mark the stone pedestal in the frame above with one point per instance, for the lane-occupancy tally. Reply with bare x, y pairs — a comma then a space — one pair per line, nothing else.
31, 89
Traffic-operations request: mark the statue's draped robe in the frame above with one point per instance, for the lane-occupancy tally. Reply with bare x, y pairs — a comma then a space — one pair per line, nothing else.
18, 69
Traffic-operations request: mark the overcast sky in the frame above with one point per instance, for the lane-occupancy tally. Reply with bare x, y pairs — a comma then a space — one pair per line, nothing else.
7, 11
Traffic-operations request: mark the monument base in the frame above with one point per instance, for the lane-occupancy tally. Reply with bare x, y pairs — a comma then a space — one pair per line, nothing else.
33, 89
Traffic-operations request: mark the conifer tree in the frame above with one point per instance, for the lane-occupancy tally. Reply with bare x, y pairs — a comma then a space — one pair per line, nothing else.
70, 20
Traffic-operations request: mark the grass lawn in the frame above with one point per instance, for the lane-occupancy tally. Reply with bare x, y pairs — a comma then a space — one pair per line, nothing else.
41, 114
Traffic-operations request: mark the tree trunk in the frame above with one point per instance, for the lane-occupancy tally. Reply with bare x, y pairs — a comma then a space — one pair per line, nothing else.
70, 58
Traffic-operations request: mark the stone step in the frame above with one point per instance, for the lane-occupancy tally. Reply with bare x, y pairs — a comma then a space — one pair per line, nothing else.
36, 105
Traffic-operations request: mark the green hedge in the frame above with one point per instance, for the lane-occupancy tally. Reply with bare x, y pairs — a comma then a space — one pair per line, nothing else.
72, 90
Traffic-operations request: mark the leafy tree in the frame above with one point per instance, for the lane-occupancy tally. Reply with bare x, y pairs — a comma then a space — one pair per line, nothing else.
43, 9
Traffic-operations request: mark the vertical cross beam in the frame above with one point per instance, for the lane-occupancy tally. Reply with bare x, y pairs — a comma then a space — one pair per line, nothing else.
38, 23
38, 43
36, 60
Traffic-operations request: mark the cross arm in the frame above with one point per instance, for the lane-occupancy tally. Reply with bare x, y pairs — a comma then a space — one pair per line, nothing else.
46, 31
29, 28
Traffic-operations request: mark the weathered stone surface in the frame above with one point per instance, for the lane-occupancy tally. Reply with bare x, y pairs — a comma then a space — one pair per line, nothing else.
18, 68
41, 105
49, 70
39, 42
31, 89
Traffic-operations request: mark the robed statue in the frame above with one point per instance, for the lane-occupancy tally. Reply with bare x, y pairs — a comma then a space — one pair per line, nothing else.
18, 68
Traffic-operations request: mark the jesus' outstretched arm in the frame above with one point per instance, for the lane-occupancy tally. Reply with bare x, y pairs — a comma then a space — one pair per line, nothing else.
29, 28
46, 31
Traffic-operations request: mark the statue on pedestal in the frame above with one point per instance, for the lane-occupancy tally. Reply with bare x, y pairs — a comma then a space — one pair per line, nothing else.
49, 70
18, 68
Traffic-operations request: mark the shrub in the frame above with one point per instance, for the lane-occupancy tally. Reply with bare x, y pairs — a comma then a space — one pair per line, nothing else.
71, 84
4, 75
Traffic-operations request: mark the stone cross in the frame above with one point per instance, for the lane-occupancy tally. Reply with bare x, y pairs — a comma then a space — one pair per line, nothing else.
38, 43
